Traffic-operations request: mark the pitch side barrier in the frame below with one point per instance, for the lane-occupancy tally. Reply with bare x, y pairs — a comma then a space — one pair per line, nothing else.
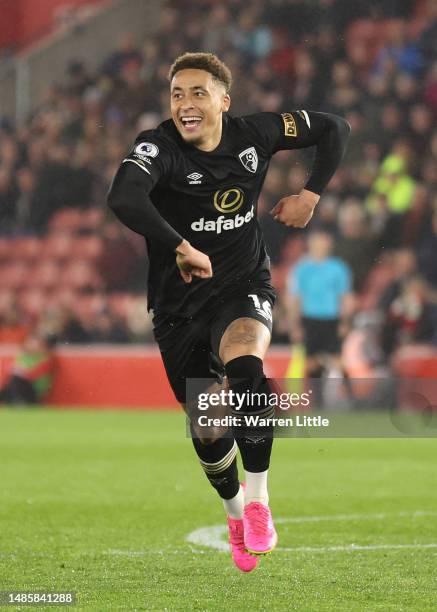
105, 376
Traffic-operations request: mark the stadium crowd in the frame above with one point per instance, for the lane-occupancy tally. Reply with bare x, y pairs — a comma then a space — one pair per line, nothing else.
70, 269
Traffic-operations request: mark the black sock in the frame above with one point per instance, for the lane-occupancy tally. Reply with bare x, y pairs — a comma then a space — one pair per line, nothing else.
246, 376
219, 462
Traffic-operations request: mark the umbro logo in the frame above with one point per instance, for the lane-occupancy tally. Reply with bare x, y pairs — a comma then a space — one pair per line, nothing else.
194, 178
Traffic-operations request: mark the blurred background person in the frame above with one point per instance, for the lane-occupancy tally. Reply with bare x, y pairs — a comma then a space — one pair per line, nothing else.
31, 374
320, 304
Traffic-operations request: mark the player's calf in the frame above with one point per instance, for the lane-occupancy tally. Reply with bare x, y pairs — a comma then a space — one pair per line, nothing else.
219, 463
252, 410
254, 436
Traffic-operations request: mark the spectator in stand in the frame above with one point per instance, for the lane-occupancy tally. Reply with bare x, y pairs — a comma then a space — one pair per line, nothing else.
410, 317
374, 62
218, 32
31, 374
404, 267
421, 123
387, 126
78, 79
13, 325
427, 254
399, 52
131, 93
355, 245
392, 194
126, 52
23, 210
107, 329
344, 94
252, 40
9, 195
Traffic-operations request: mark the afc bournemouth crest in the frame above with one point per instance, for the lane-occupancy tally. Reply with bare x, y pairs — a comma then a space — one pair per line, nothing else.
249, 159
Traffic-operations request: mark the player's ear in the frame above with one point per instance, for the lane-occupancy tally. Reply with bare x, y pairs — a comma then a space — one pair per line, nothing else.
226, 102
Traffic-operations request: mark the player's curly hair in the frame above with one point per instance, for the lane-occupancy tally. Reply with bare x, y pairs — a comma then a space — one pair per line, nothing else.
203, 61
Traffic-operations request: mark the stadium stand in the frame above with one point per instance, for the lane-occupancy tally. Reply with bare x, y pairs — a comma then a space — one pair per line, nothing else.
68, 266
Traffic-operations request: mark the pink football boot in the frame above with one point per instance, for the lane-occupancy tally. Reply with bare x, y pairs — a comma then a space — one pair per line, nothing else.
260, 535
242, 559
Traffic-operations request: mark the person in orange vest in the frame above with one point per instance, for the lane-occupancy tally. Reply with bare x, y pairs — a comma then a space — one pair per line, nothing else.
31, 374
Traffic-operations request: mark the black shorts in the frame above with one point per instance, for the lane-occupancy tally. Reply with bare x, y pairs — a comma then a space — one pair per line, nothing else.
190, 346
321, 336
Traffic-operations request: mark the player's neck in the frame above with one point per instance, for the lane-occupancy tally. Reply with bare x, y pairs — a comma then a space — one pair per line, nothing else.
213, 141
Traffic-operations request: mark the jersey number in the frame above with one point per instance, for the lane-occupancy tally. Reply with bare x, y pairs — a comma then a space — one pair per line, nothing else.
264, 309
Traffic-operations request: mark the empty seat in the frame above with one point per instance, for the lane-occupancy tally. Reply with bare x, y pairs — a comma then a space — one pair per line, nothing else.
32, 302
67, 220
45, 275
86, 247
80, 275
58, 246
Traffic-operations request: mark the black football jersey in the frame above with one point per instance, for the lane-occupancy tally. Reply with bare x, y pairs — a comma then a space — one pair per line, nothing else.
210, 199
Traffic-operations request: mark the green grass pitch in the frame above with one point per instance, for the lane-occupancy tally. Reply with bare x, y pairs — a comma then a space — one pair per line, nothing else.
101, 503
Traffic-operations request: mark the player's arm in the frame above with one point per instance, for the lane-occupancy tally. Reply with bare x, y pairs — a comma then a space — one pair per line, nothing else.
129, 199
301, 129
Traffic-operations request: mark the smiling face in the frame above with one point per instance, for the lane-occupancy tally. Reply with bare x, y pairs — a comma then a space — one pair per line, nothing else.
197, 103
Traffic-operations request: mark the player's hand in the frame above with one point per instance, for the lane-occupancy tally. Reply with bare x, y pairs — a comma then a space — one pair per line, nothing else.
296, 210
192, 262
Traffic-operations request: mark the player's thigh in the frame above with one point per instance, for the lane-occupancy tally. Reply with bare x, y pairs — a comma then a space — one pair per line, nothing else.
244, 327
186, 354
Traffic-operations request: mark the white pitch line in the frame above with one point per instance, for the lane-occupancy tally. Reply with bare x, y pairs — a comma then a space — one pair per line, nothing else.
358, 547
354, 517
142, 553
214, 536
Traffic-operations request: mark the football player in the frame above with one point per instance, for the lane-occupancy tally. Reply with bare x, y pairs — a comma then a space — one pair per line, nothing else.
190, 187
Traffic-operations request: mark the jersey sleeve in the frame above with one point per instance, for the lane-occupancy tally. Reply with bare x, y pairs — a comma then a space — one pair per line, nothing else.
145, 166
151, 154
278, 131
301, 129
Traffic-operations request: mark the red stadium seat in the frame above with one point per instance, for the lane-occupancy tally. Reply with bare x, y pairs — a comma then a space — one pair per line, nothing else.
45, 275
66, 220
80, 275
63, 297
32, 302
292, 250
120, 304
14, 275
6, 249
86, 306
380, 276
92, 219
86, 247
58, 246
28, 248
280, 276
6, 300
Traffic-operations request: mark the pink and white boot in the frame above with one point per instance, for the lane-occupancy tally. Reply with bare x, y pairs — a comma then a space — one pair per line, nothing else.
242, 559
260, 536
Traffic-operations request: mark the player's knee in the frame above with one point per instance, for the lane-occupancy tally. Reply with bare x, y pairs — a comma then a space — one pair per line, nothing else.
248, 382
244, 367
